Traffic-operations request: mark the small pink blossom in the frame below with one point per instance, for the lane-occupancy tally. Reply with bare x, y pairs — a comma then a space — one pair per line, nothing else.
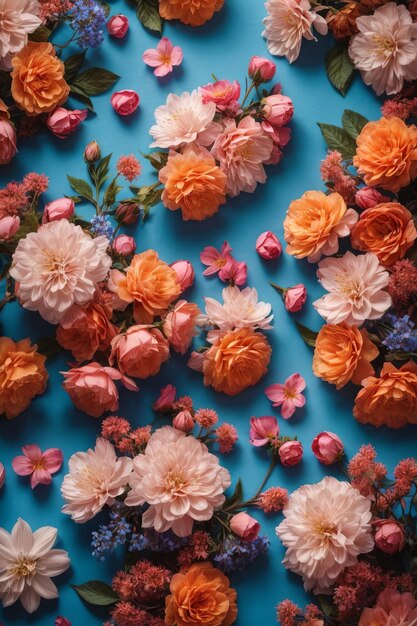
215, 259
294, 298
163, 57
368, 197
9, 225
389, 536
118, 25
183, 421
62, 208
261, 70
226, 437
37, 464
166, 399
245, 526
224, 94
125, 102
263, 430
278, 109
235, 272
124, 245
288, 396
327, 448
185, 273
63, 122
290, 453
268, 246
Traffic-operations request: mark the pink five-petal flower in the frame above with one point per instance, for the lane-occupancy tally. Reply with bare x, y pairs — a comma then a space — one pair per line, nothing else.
288, 396
263, 430
215, 259
235, 272
37, 464
163, 57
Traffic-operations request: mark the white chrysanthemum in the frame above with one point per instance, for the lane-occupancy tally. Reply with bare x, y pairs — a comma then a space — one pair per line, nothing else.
385, 49
183, 119
180, 480
356, 289
18, 18
326, 527
58, 266
27, 563
240, 309
95, 478
287, 22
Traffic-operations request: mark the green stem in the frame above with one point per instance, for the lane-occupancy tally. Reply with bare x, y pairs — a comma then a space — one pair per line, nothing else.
249, 89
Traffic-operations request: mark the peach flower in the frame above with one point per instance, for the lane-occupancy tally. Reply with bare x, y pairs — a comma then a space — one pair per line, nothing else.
392, 609
192, 12
140, 351
193, 183
238, 360
343, 353
149, 283
389, 400
200, 596
180, 325
387, 230
386, 153
85, 329
315, 222
38, 83
22, 375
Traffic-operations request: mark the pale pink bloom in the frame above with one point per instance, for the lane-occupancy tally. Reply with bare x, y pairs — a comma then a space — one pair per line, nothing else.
95, 478
263, 430
280, 135
18, 18
234, 272
163, 57
183, 421
2, 475
389, 536
327, 447
8, 147
9, 225
356, 289
288, 396
37, 464
224, 94
63, 122
268, 246
118, 25
58, 266
62, 208
241, 150
245, 526
181, 325
392, 609
326, 527
368, 197
125, 102
277, 109
27, 564
294, 298
140, 351
215, 259
385, 49
124, 245
166, 398
287, 22
185, 272
261, 70
240, 309
179, 479
291, 453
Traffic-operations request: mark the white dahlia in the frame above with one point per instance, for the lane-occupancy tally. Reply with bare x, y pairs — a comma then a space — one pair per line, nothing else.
58, 266
18, 18
240, 309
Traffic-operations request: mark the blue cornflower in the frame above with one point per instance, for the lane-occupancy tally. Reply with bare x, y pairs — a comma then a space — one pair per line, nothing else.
100, 225
403, 337
156, 542
237, 555
108, 537
88, 20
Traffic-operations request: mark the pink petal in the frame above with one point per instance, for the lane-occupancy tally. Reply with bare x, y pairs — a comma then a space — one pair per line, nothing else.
288, 408
209, 255
176, 55
22, 466
299, 400
152, 58
33, 452
225, 249
163, 69
296, 383
276, 393
165, 47
213, 269
52, 460
40, 476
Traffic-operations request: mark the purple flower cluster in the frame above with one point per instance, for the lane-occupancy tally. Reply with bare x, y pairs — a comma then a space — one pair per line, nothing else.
88, 20
403, 337
237, 555
108, 537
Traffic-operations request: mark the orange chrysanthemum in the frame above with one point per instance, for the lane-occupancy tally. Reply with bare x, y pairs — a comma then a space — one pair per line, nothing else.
193, 12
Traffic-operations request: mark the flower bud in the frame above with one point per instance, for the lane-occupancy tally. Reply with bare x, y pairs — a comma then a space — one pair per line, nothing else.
367, 198
185, 273
62, 621
268, 246
125, 102
290, 453
166, 399
389, 536
278, 109
92, 152
60, 209
261, 70
124, 245
183, 421
327, 448
118, 25
245, 526
7, 141
294, 298
128, 213
9, 226
2, 475
63, 122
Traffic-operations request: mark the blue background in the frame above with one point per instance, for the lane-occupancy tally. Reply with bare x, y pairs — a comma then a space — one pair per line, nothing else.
223, 47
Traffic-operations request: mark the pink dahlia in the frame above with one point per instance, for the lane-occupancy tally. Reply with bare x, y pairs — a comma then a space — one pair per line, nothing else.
392, 609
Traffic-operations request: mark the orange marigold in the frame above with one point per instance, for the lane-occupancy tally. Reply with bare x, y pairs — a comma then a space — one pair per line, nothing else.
193, 12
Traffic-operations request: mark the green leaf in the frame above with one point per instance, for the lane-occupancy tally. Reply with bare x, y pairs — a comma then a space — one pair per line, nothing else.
95, 80
79, 94
29, 224
42, 33
103, 169
148, 15
309, 336
97, 593
237, 495
339, 67
158, 160
81, 187
72, 65
111, 192
353, 123
338, 139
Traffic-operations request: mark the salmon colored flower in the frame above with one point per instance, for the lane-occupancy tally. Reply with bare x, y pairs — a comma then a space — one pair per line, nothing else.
180, 325
37, 464
140, 351
224, 93
392, 608
85, 329
245, 526
163, 57
288, 396
192, 12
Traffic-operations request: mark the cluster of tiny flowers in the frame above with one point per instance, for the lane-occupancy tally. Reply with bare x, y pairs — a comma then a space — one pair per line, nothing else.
36, 183
290, 614
52, 9
100, 225
236, 555
88, 20
273, 499
226, 437
364, 472
114, 428
197, 549
129, 167
156, 542
399, 107
206, 418
127, 614
13, 199
402, 284
403, 337
109, 536
332, 171
145, 583
184, 403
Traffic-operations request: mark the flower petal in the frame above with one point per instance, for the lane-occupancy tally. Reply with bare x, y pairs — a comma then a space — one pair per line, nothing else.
52, 460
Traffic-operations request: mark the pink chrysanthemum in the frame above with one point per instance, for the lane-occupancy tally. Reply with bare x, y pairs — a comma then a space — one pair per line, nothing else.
36, 183
184, 403
287, 613
226, 436
13, 199
273, 499
129, 167
141, 436
406, 470
206, 418
114, 428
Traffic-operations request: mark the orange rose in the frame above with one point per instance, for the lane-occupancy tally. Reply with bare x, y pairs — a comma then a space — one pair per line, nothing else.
342, 354
193, 12
389, 400
22, 375
193, 183
343, 23
149, 283
237, 361
387, 230
386, 153
200, 596
38, 84
86, 329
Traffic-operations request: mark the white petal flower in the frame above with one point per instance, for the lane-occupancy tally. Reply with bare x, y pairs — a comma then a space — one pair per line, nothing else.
18, 18
240, 309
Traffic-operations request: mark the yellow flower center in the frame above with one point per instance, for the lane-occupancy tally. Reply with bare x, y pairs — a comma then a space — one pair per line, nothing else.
24, 567
385, 45
175, 482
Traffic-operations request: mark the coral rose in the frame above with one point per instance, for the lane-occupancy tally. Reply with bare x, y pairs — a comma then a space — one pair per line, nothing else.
180, 325
314, 223
193, 183
390, 400
343, 353
238, 360
193, 12
148, 282
140, 351
386, 153
387, 230
22, 375
200, 596
38, 84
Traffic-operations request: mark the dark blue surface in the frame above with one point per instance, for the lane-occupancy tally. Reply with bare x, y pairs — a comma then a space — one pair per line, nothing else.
223, 47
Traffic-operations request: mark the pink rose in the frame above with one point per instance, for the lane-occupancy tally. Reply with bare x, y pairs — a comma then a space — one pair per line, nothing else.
60, 209
63, 122
278, 109
165, 400
7, 141
268, 246
367, 197
295, 297
124, 245
327, 448
140, 351
2, 475
62, 621
9, 226
183, 421
180, 325
244, 526
185, 273
261, 70
290, 453
389, 536
125, 102
263, 430
118, 25
92, 152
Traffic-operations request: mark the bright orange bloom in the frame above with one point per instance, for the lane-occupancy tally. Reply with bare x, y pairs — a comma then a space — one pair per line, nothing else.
193, 12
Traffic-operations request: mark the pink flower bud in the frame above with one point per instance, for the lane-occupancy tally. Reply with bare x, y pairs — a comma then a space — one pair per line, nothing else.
2, 475
118, 25
295, 297
125, 102
62, 621
7, 141
389, 536
268, 246
278, 109
92, 152
245, 526
327, 448
263, 430
183, 421
290, 453
367, 197
261, 70
124, 245
63, 122
185, 272
166, 399
127, 213
60, 209
9, 226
